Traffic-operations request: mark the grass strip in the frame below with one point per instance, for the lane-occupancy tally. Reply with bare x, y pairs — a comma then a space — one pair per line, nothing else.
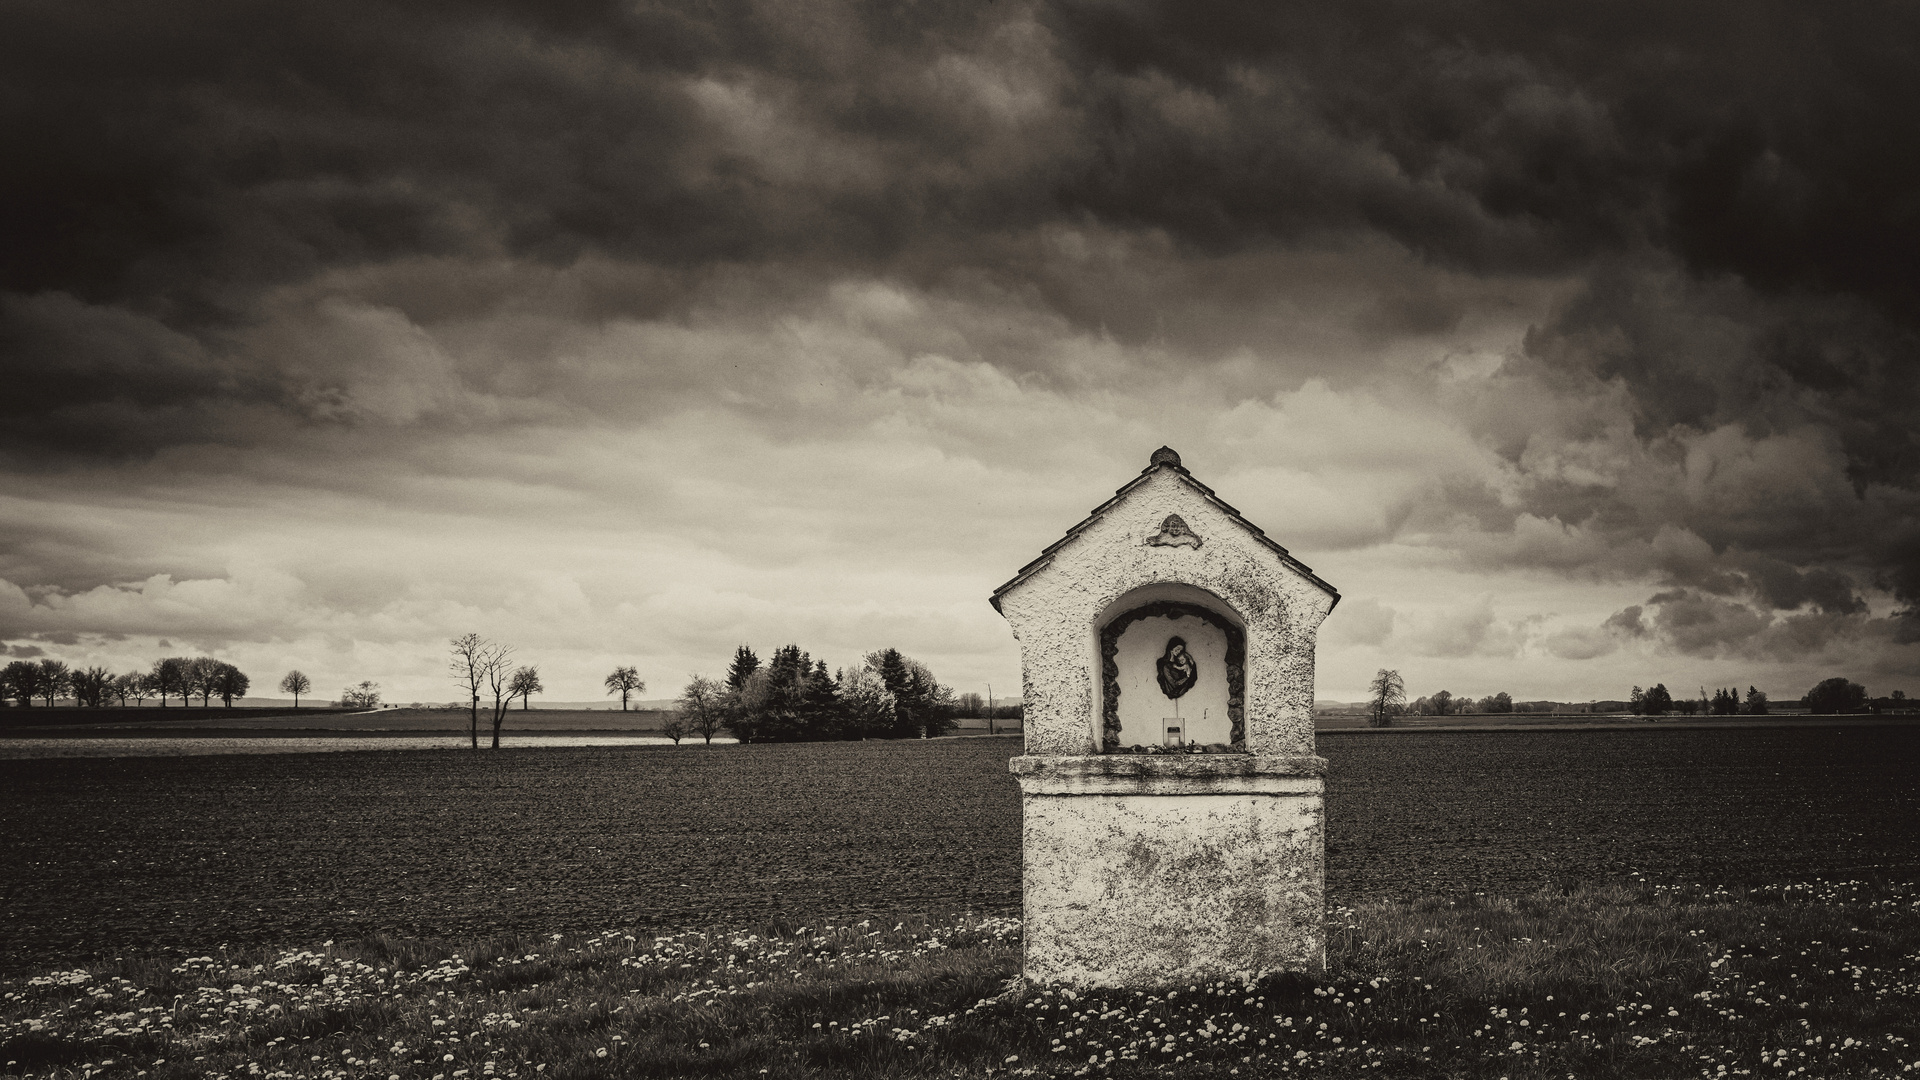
1819, 979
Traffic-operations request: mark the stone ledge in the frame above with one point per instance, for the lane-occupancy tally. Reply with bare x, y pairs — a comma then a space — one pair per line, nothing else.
1171, 766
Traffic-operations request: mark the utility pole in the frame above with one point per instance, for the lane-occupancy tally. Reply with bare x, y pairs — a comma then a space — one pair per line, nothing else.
989, 708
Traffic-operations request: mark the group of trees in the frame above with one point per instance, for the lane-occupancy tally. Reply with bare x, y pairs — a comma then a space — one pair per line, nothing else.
1726, 701
25, 681
483, 669
1837, 695
1443, 703
1387, 698
794, 698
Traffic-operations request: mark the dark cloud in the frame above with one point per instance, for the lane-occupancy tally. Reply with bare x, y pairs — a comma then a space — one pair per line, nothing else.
1628, 621
234, 225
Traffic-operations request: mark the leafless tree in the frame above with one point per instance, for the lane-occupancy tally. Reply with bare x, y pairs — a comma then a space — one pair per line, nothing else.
296, 683
230, 682
203, 678
624, 681
526, 683
473, 663
1389, 698
500, 685
55, 680
675, 728
704, 705
91, 686
169, 677
364, 696
20, 680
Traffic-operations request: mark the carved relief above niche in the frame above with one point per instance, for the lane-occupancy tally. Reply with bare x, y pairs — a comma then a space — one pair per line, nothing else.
1170, 663
1175, 532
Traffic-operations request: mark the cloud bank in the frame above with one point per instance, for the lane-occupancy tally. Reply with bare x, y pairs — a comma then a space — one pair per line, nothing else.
1577, 347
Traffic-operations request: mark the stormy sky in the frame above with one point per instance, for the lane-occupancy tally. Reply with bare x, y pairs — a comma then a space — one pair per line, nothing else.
1579, 346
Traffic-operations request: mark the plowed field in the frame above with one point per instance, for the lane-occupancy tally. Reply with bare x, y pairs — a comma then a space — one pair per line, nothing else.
105, 855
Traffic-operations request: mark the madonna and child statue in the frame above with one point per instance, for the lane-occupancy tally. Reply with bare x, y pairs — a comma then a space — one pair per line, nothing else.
1177, 673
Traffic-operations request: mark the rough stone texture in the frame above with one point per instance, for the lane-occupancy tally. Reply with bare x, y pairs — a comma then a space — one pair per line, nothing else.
1147, 871
1107, 567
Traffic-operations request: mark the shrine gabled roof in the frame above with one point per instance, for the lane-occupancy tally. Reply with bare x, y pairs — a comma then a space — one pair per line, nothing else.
1163, 458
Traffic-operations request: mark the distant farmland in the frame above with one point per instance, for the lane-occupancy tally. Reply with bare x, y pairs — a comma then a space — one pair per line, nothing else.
151, 721
186, 853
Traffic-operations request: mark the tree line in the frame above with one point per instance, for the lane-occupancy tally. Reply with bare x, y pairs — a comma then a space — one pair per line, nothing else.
1658, 701
794, 698
1830, 697
22, 682
1387, 699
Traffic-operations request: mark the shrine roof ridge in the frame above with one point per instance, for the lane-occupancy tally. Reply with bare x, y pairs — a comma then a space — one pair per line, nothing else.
1163, 458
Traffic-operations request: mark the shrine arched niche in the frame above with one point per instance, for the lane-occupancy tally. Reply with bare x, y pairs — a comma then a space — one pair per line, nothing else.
1173, 672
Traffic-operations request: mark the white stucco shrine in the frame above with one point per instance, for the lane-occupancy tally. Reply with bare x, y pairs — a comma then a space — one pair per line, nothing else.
1170, 795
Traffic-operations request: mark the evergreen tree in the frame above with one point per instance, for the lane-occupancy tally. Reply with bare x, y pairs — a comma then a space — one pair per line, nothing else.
921, 706
744, 665
783, 713
894, 675
822, 705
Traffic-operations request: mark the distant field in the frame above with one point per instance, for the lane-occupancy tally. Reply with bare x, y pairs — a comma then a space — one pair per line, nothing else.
139, 853
151, 721
68, 716
146, 721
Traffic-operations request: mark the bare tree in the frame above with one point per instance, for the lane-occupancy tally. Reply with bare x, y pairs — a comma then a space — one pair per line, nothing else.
90, 686
129, 685
624, 681
55, 680
473, 661
140, 685
21, 680
203, 678
296, 683
675, 728
230, 682
526, 683
1389, 697
500, 685
169, 677
704, 705
364, 696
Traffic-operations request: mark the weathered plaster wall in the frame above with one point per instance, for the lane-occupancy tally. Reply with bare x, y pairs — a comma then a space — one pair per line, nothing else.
1054, 615
1151, 871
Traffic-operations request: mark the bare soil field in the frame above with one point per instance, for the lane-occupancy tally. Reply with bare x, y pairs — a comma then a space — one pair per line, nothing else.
63, 716
101, 856
97, 722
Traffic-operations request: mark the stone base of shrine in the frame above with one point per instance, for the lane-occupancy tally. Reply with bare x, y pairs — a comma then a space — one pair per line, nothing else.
1145, 871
